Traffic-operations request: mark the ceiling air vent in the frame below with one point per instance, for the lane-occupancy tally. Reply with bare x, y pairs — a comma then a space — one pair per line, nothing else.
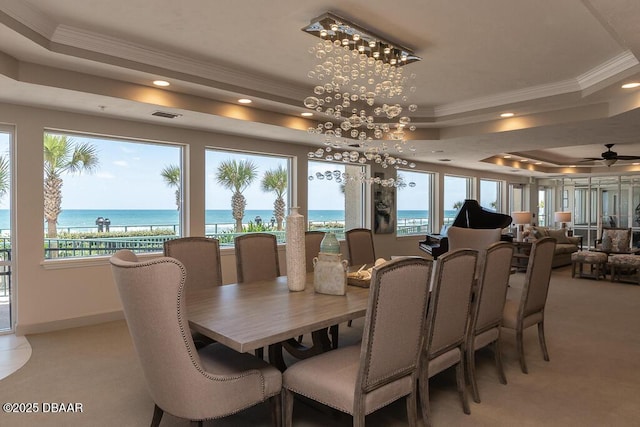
165, 114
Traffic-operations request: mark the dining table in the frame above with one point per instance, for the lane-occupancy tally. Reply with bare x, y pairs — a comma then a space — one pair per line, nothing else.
251, 316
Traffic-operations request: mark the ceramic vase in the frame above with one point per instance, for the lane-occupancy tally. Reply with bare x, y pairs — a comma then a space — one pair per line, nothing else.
330, 244
330, 274
295, 251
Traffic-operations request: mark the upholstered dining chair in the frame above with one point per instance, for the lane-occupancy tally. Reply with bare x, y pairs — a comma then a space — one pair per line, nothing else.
362, 378
256, 257
360, 246
473, 238
449, 309
200, 257
312, 240
528, 310
486, 310
198, 385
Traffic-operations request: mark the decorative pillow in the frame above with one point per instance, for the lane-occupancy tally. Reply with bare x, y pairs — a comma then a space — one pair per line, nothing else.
559, 235
540, 232
619, 239
607, 244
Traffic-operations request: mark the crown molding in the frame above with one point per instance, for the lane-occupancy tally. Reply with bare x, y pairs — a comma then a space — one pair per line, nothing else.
602, 72
608, 69
122, 49
30, 17
520, 95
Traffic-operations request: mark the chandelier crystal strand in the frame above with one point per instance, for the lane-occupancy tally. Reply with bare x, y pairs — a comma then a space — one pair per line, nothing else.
360, 88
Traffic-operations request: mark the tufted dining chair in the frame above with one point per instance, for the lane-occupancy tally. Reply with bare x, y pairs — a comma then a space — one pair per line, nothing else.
486, 310
256, 257
449, 309
528, 309
200, 257
360, 246
362, 378
198, 385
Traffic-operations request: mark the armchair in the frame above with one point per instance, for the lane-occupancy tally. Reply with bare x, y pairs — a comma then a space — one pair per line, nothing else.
614, 239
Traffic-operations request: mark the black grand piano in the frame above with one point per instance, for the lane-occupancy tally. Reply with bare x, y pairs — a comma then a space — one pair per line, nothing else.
470, 215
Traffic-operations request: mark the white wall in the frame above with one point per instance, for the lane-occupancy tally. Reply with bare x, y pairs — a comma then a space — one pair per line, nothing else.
63, 293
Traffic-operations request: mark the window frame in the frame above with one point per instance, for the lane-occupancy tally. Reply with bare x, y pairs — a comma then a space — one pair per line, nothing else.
291, 192
90, 260
432, 176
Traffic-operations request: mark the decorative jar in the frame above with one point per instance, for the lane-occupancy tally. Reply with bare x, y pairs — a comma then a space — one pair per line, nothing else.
330, 274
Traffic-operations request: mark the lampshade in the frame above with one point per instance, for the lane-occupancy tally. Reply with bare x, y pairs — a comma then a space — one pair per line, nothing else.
562, 216
521, 217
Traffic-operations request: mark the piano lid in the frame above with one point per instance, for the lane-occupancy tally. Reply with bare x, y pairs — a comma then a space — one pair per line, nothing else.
472, 215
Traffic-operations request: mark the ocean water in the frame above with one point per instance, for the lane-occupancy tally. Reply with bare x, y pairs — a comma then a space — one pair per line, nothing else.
86, 218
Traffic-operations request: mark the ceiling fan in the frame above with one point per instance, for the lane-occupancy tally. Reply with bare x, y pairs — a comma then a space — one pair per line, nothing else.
610, 157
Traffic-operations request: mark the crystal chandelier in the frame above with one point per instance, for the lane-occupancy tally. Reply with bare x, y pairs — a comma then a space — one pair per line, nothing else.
342, 177
361, 91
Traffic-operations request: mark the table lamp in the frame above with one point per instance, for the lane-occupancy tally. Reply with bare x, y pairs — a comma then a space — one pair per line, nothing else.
520, 219
562, 217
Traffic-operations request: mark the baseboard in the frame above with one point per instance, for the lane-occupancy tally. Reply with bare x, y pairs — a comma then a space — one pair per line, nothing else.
56, 325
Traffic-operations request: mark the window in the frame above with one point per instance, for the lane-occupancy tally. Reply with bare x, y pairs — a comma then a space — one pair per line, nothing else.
245, 193
334, 201
7, 318
456, 190
414, 203
545, 204
491, 194
516, 198
102, 194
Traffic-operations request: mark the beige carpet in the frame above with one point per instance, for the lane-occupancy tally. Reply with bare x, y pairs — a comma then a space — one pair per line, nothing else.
593, 378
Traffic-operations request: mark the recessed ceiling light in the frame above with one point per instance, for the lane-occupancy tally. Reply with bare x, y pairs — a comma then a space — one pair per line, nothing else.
524, 160
572, 166
537, 163
507, 157
635, 164
631, 85
244, 101
307, 114
506, 115
162, 83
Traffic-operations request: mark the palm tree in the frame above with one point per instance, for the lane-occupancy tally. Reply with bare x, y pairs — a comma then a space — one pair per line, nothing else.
62, 155
171, 176
237, 176
457, 205
276, 180
5, 176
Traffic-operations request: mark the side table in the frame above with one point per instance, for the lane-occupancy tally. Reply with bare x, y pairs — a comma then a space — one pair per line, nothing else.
521, 252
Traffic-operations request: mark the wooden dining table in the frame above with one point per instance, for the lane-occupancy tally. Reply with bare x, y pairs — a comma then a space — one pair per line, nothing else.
250, 316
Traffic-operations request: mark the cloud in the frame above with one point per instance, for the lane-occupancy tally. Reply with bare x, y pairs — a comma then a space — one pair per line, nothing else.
122, 163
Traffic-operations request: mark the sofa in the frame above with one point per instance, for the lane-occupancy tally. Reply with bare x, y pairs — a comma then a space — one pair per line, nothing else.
565, 245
